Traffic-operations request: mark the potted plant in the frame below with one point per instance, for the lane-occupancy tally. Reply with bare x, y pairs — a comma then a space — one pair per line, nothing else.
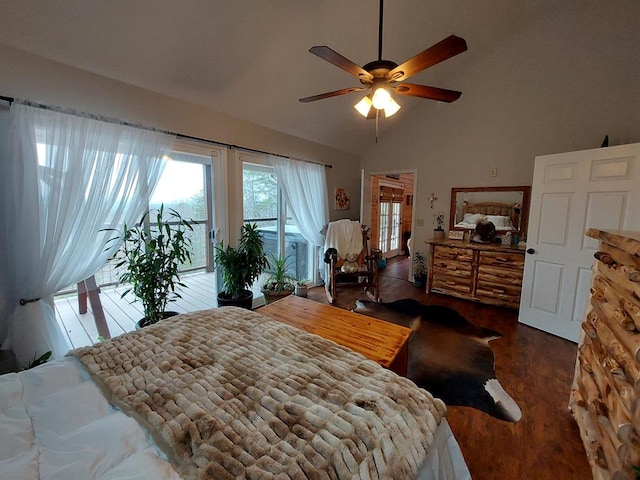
302, 288
438, 232
279, 284
150, 257
419, 270
240, 267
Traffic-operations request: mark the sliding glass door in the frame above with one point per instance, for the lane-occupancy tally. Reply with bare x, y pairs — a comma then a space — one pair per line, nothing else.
186, 186
263, 204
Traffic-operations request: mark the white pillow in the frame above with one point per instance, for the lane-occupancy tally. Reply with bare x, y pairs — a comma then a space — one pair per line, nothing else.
473, 218
499, 220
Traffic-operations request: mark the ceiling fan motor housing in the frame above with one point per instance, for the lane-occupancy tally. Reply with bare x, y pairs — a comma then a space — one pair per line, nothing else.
379, 69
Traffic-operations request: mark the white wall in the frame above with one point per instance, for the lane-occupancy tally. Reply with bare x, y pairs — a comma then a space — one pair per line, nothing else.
557, 81
28, 76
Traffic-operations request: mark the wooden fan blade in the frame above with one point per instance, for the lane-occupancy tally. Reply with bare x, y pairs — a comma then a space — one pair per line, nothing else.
441, 51
432, 93
338, 60
331, 94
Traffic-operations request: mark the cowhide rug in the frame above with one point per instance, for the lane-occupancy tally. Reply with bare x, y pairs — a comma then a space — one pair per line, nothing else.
448, 355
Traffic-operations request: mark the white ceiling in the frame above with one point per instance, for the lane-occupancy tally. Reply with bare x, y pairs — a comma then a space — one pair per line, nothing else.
250, 59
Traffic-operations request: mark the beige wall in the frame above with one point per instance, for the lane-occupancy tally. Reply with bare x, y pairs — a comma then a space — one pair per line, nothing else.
27, 76
557, 81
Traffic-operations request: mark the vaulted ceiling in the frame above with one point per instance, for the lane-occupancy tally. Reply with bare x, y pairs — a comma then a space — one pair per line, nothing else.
250, 59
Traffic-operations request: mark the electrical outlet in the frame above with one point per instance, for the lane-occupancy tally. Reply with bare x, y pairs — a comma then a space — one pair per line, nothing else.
420, 222
494, 172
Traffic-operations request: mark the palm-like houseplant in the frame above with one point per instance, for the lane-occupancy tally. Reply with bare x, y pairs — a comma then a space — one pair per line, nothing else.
240, 267
419, 269
279, 284
150, 257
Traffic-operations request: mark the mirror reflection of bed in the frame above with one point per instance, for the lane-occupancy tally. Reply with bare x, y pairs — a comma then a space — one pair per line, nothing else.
506, 207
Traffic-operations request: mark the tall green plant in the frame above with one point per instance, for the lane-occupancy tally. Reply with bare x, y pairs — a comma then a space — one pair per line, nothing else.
279, 281
151, 258
241, 266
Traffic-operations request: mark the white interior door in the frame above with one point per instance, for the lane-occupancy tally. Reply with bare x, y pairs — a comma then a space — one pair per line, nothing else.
571, 193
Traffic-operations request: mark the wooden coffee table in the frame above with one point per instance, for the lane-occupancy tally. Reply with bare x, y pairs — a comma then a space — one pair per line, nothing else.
380, 341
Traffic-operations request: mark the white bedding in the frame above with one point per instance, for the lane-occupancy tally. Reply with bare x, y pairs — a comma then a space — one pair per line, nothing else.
56, 424
471, 220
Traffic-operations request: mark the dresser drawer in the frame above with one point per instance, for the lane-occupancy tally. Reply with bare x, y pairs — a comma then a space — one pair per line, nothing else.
452, 268
464, 255
498, 294
451, 284
513, 261
488, 274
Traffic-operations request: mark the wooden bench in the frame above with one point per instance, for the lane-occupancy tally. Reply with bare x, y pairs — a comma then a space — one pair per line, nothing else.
380, 341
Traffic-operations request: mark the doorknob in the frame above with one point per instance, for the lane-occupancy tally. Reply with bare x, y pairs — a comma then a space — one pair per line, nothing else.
531, 251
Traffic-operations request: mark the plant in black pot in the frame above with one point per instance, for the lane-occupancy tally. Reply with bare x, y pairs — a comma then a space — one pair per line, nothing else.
438, 232
240, 267
279, 284
150, 256
419, 269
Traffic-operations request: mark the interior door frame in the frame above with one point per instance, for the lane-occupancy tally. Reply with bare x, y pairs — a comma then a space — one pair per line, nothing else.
392, 184
366, 200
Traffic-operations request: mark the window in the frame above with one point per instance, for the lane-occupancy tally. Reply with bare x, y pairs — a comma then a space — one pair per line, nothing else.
264, 205
185, 186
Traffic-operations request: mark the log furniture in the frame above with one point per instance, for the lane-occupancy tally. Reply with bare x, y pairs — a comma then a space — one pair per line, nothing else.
383, 342
486, 273
605, 396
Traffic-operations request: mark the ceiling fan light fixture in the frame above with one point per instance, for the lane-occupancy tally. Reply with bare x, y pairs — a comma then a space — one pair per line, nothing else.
392, 108
381, 98
364, 106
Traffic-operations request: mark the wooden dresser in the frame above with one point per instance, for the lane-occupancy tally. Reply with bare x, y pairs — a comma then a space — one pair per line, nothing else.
487, 273
605, 396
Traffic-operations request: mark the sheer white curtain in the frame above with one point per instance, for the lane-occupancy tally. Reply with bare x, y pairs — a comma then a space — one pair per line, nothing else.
305, 188
66, 179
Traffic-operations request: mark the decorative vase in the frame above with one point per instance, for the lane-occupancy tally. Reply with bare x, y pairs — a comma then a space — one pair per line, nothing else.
438, 234
301, 291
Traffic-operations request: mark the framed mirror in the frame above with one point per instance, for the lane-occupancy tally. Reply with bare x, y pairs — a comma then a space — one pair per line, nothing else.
506, 207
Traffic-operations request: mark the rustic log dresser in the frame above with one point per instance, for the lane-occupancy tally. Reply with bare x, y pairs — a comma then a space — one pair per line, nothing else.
605, 396
486, 273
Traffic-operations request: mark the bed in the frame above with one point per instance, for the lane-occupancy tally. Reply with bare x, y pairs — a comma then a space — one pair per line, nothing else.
221, 394
502, 215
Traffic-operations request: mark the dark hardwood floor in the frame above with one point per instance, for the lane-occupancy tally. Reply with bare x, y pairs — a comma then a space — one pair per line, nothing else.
535, 368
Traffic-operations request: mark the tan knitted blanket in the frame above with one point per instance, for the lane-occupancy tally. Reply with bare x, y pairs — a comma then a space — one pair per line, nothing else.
231, 394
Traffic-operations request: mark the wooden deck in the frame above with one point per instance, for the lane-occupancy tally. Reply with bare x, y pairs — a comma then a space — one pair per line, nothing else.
121, 314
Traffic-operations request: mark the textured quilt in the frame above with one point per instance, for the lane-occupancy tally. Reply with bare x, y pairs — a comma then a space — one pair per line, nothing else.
228, 393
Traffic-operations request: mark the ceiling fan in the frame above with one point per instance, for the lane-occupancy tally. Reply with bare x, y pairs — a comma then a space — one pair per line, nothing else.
384, 76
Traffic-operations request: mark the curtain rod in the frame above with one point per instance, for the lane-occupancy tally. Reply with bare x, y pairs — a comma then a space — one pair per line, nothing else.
10, 100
